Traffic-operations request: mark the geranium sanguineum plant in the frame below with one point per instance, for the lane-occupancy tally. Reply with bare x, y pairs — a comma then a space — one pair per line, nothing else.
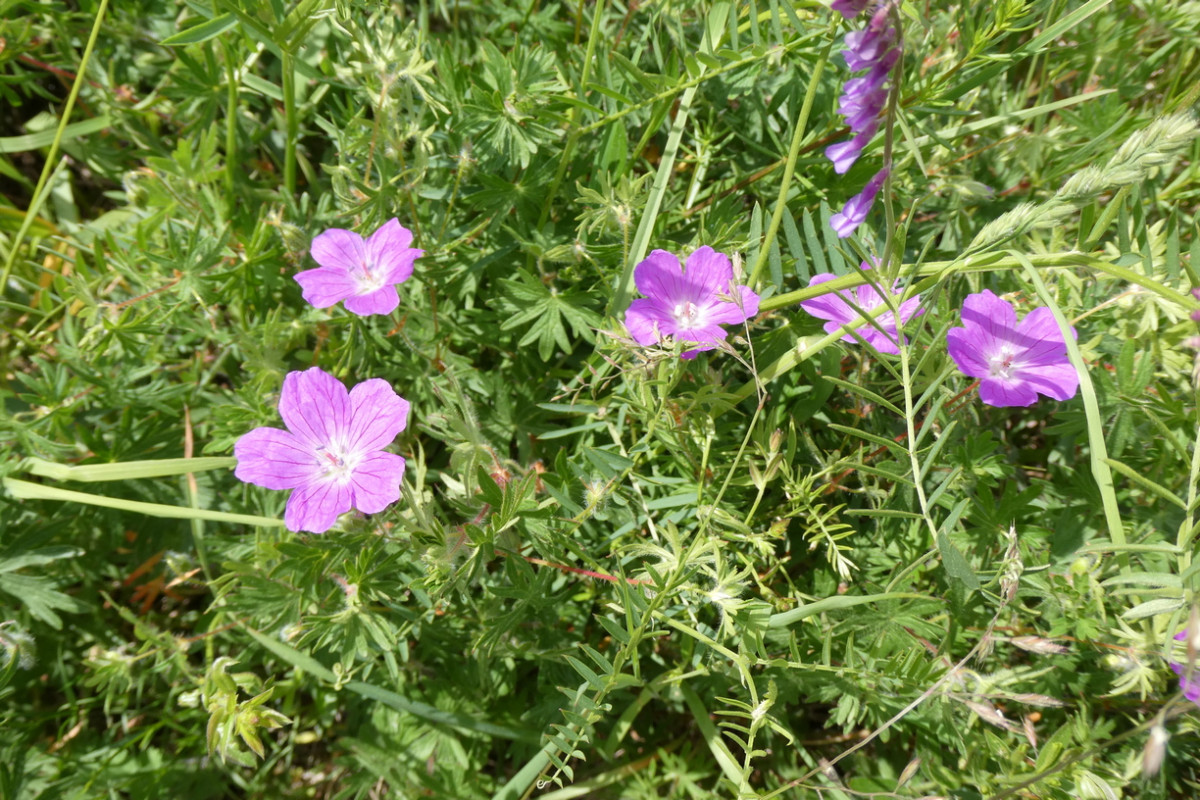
839, 309
331, 454
362, 272
687, 303
1013, 362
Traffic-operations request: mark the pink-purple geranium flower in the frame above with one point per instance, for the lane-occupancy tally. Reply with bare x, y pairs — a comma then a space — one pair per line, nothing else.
688, 304
1189, 686
331, 454
1013, 362
836, 307
362, 272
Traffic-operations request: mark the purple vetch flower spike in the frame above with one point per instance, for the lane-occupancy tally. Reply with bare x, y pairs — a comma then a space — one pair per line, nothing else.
874, 49
844, 154
838, 310
865, 48
856, 209
849, 9
689, 304
362, 272
1189, 687
861, 109
331, 456
1014, 362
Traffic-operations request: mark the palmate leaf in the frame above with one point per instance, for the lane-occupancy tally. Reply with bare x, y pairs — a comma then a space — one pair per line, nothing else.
547, 308
39, 594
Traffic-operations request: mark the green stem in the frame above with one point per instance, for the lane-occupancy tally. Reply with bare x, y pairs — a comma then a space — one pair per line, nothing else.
790, 167
1101, 472
24, 490
39, 191
231, 100
573, 137
992, 262
292, 122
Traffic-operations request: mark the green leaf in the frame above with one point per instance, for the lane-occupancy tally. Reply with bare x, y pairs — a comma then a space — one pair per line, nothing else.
34, 141
955, 563
1151, 608
785, 618
210, 29
40, 597
418, 709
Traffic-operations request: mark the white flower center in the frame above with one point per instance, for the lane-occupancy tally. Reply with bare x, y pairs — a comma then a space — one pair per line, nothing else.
338, 464
687, 314
1000, 364
370, 279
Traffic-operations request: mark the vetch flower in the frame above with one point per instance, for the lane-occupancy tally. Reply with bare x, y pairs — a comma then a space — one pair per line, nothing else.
1014, 362
689, 304
865, 48
876, 50
856, 209
849, 8
844, 154
362, 272
331, 454
1189, 687
837, 308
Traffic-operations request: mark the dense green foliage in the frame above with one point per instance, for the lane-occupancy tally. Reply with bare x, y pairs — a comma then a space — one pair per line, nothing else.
790, 568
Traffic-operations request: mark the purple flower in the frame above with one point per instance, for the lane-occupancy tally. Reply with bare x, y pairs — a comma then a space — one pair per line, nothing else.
1190, 688
862, 100
856, 209
364, 273
844, 154
1014, 363
849, 8
838, 310
331, 454
867, 47
688, 303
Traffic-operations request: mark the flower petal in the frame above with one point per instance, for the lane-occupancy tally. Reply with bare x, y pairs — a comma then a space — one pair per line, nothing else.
1058, 381
728, 312
1039, 334
963, 346
701, 334
339, 249
325, 286
992, 322
391, 236
911, 308
710, 272
377, 415
884, 341
660, 277
389, 253
830, 306
316, 506
381, 301
1190, 688
376, 482
315, 406
1000, 393
648, 321
854, 213
274, 459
